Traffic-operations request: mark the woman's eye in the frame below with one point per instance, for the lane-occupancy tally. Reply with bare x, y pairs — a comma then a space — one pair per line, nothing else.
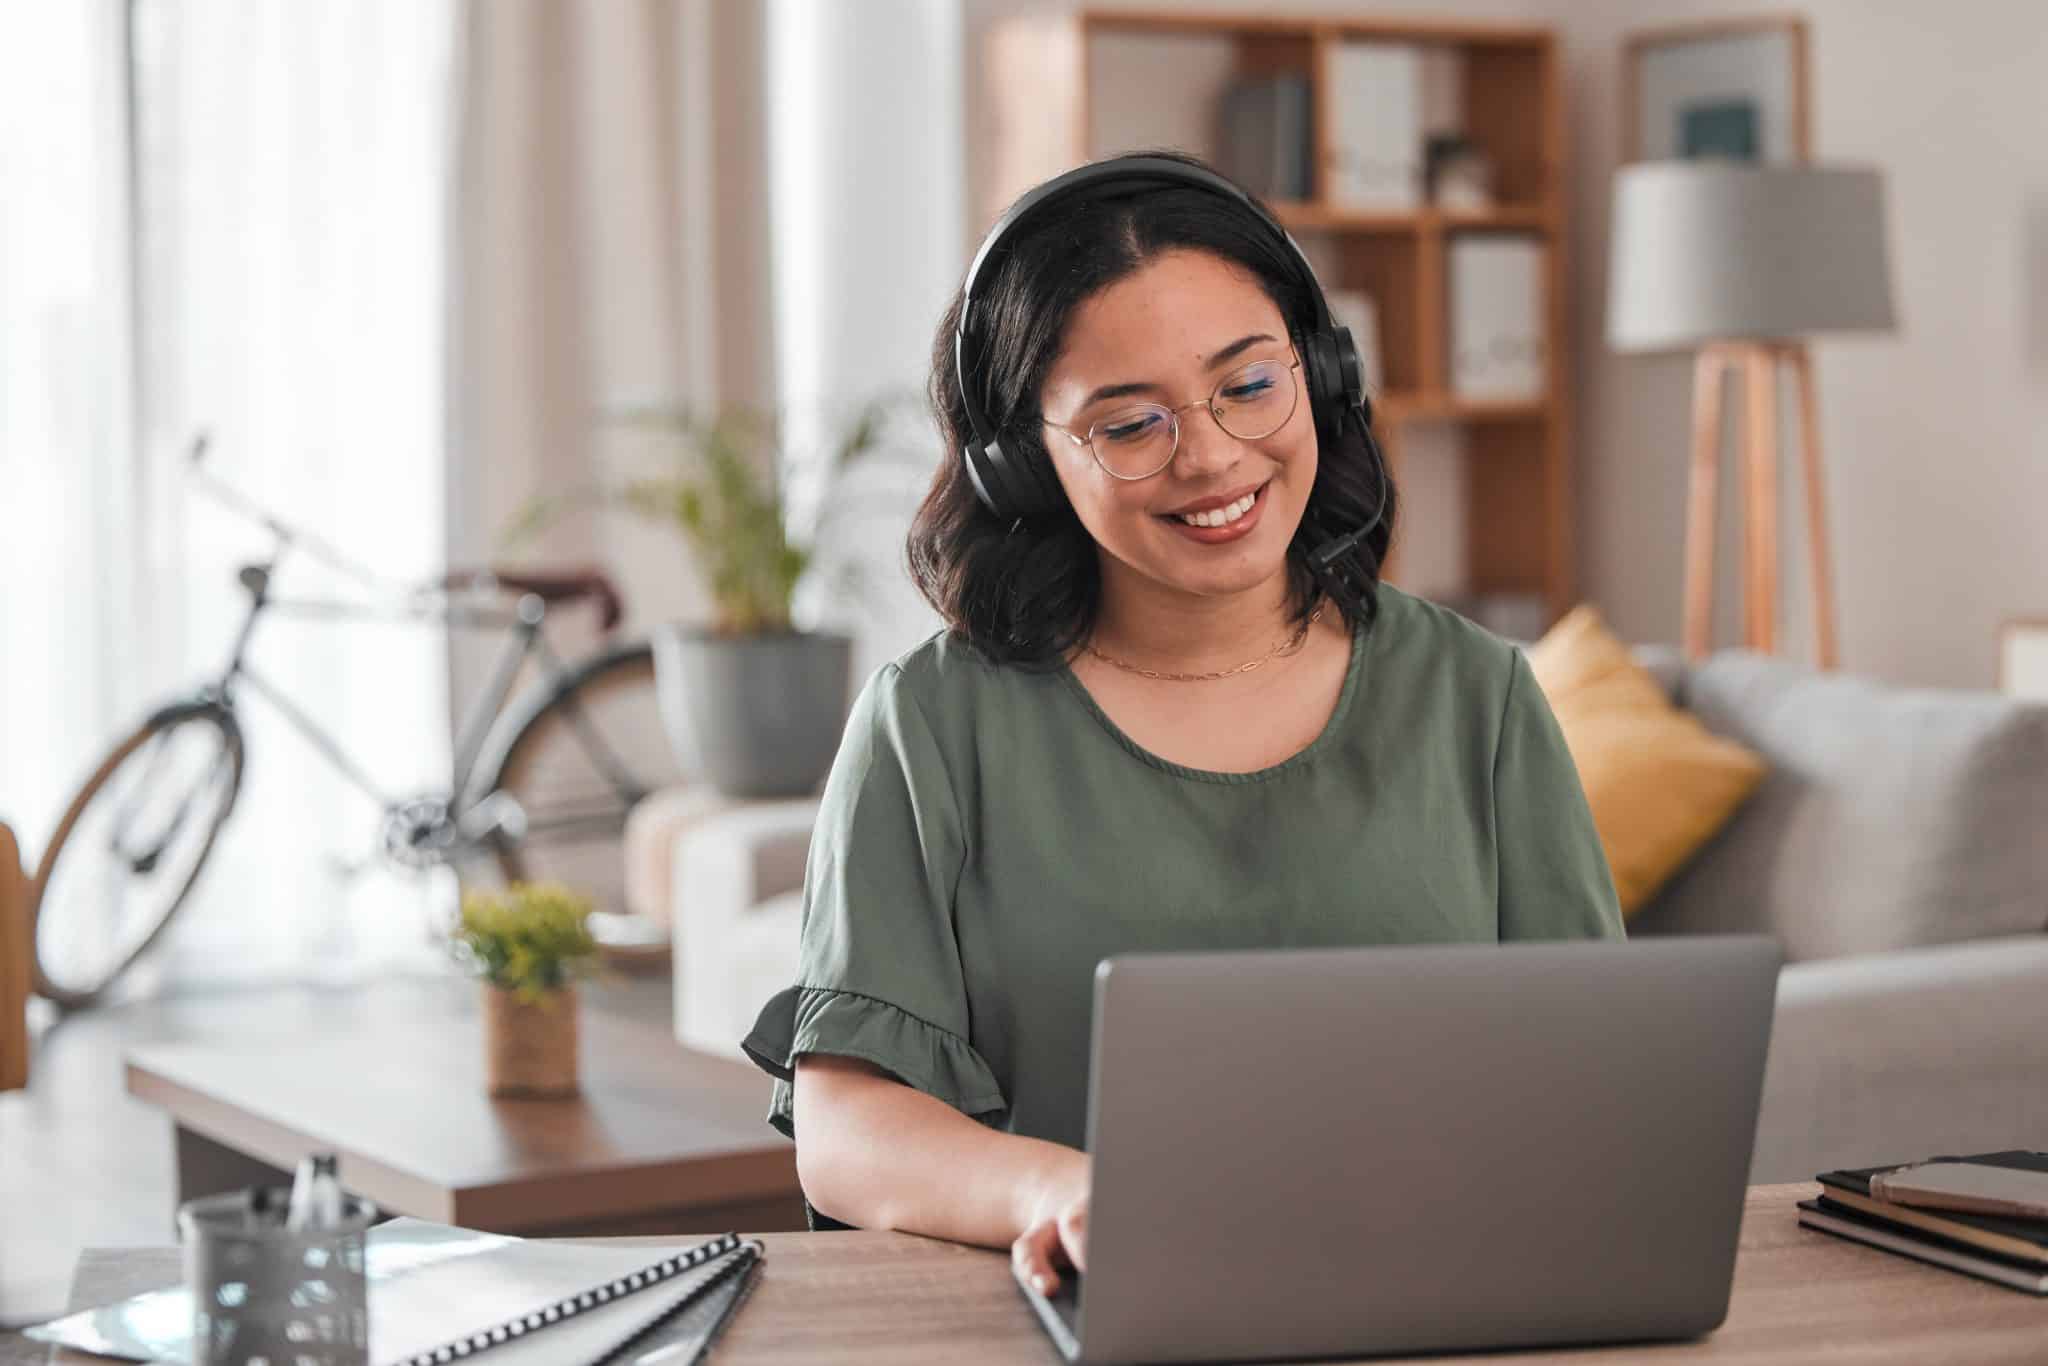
1238, 393
1132, 428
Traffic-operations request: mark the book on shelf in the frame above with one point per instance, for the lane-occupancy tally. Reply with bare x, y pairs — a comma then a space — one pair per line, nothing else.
1264, 139
1496, 317
2009, 1249
1376, 103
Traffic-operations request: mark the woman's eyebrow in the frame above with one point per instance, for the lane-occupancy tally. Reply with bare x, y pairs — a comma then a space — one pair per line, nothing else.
1228, 353
1238, 348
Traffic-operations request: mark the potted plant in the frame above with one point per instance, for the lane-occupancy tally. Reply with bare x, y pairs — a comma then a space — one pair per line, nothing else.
528, 944
756, 702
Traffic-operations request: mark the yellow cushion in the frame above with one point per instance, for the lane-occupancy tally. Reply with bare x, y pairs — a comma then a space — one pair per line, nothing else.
1660, 784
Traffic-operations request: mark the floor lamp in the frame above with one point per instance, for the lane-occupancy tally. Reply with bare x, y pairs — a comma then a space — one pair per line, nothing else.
1741, 263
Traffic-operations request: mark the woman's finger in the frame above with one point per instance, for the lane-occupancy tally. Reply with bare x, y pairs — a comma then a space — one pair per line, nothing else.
1032, 1256
1073, 1231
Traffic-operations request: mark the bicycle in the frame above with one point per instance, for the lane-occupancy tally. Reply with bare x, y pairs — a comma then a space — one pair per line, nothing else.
540, 786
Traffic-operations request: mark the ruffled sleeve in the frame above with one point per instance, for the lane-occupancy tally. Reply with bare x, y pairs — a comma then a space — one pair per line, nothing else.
916, 1052
879, 974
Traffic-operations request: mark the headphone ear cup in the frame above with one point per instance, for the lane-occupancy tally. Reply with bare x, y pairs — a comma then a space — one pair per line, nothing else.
1012, 483
1325, 386
1045, 480
1336, 377
988, 486
1350, 370
1033, 487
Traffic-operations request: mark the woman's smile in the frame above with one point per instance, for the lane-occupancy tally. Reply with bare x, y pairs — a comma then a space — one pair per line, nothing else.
1214, 521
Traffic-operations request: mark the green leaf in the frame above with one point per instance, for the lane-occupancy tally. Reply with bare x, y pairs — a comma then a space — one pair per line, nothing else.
530, 939
722, 493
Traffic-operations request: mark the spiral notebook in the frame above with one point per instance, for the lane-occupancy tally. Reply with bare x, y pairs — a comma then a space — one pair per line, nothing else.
440, 1294
626, 1321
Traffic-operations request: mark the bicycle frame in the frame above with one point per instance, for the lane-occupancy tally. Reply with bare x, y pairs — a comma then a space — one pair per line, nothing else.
524, 642
430, 606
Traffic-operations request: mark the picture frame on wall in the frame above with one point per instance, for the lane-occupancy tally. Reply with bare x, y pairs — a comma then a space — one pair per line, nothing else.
1735, 89
2023, 660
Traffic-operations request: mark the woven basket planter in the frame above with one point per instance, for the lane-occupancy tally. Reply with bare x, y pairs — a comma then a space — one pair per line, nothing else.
530, 1050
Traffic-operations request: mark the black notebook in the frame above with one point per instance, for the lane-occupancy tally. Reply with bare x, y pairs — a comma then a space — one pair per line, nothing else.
1923, 1247
2015, 1239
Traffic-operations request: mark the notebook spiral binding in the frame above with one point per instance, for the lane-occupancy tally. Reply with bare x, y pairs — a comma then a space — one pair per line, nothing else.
573, 1305
749, 1254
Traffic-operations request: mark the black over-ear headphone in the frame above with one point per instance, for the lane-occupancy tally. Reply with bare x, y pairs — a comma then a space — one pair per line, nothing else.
1011, 480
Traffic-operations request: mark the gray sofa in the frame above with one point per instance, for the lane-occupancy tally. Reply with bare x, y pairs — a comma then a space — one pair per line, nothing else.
1898, 850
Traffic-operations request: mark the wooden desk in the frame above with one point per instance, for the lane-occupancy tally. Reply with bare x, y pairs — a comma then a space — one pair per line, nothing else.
853, 1298
663, 1140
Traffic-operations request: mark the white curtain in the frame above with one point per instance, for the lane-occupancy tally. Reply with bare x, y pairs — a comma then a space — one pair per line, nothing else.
283, 210
699, 203
68, 574
610, 253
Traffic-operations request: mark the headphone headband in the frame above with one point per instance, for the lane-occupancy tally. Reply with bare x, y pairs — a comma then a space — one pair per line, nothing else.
1009, 482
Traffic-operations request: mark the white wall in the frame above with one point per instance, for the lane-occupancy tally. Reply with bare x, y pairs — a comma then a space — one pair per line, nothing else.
1937, 436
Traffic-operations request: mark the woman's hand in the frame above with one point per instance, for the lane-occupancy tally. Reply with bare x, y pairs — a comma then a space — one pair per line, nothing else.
1055, 1229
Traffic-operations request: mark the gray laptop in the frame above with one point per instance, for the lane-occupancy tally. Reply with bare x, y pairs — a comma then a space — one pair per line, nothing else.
1361, 1151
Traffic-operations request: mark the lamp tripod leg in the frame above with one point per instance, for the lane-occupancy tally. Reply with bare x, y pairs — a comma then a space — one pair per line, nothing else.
1701, 503
1816, 511
1760, 607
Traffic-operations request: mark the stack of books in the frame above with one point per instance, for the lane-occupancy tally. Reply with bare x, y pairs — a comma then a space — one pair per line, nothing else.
1980, 1222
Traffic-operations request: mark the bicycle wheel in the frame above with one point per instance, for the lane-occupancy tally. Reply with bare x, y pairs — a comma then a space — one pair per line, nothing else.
129, 848
580, 760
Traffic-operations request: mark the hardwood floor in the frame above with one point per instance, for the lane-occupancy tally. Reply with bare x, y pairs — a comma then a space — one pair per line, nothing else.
82, 1164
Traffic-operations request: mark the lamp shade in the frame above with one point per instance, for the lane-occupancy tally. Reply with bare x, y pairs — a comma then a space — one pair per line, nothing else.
1708, 251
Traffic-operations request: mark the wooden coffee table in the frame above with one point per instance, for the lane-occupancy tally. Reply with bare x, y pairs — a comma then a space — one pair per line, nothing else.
662, 1140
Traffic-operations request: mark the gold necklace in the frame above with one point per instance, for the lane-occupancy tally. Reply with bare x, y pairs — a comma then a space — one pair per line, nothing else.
1287, 646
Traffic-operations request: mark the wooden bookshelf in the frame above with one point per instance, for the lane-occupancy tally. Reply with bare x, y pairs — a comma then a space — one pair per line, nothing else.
1069, 87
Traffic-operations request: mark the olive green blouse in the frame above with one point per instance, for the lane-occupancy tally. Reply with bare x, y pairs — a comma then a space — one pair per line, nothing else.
988, 835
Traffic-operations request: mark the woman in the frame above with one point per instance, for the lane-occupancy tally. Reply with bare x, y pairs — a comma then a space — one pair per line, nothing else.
1174, 709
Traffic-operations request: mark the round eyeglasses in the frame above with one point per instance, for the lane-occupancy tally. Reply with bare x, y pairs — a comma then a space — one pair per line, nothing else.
1138, 442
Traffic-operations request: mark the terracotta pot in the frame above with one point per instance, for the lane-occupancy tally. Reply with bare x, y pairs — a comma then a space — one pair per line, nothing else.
530, 1050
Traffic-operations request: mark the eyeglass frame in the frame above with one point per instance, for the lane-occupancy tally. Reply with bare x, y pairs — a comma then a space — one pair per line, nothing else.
1174, 413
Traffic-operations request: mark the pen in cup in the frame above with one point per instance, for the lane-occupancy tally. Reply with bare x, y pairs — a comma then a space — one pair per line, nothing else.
260, 1211
316, 1195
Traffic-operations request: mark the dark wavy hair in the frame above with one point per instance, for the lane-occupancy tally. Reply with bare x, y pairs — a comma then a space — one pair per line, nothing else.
1028, 595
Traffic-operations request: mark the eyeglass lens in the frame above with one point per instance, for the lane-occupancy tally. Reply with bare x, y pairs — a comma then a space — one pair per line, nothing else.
1249, 404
